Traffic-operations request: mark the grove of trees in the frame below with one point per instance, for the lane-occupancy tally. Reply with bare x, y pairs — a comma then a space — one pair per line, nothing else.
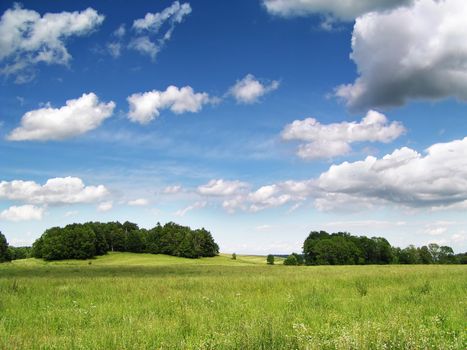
4, 249
83, 241
342, 248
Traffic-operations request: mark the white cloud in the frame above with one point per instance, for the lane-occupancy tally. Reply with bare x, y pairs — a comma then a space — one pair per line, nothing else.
144, 45
22, 213
341, 9
138, 202
146, 106
404, 177
27, 38
270, 196
75, 118
196, 205
222, 187
105, 206
416, 52
54, 191
249, 89
120, 31
151, 25
172, 189
327, 141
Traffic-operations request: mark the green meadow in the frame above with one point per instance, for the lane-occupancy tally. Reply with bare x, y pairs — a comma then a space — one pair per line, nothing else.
143, 301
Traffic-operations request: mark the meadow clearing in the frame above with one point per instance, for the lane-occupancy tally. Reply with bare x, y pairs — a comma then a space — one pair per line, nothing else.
143, 301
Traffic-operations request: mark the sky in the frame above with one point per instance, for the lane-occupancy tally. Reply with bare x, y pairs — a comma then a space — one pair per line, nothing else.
259, 120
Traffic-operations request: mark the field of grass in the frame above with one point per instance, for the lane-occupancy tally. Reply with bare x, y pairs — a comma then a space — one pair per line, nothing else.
129, 301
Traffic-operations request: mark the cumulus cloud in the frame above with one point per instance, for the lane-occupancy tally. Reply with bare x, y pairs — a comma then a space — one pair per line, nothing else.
344, 10
22, 213
404, 177
331, 140
27, 38
105, 206
75, 118
269, 196
222, 187
416, 52
249, 89
146, 106
138, 202
59, 190
196, 205
150, 40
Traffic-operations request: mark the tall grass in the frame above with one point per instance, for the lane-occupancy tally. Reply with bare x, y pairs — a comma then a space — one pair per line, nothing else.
126, 301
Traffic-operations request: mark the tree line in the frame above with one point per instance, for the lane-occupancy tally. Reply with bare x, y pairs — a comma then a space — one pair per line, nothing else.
84, 241
342, 248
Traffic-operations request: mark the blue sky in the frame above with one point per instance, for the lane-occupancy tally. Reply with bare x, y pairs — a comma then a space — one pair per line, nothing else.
258, 120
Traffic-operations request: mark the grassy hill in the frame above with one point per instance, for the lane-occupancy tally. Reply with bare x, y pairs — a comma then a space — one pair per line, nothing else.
131, 259
139, 301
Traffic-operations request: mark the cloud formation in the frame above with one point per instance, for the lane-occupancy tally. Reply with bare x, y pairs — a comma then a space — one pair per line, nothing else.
27, 38
222, 187
416, 52
105, 206
249, 89
331, 140
344, 10
146, 106
138, 202
150, 40
404, 177
77, 117
22, 213
59, 190
196, 205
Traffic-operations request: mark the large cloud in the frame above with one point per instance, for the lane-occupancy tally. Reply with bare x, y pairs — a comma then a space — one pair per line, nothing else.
75, 118
249, 89
27, 38
416, 52
60, 190
404, 177
22, 213
149, 40
327, 141
341, 9
146, 106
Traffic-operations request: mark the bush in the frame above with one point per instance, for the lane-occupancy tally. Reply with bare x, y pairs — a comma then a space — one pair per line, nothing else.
270, 259
291, 260
234, 256
4, 250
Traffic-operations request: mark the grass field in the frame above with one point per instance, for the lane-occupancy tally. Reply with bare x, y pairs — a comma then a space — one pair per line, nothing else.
129, 301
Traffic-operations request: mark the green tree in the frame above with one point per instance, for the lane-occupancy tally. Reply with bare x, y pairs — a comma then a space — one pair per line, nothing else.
234, 256
291, 260
4, 251
270, 259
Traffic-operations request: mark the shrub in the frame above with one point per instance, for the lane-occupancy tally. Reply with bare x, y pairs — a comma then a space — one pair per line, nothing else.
270, 259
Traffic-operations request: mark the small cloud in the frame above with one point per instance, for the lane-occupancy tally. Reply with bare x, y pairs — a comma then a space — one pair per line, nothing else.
22, 213
138, 202
105, 206
196, 205
249, 89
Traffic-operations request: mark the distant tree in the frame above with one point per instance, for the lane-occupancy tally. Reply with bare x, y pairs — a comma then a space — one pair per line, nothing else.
434, 250
461, 258
446, 255
71, 242
291, 260
425, 256
270, 259
234, 256
17, 253
4, 251
134, 241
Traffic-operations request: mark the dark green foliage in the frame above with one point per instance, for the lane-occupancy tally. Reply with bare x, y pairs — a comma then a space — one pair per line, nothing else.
234, 256
4, 250
341, 248
17, 253
71, 242
291, 260
82, 241
270, 259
